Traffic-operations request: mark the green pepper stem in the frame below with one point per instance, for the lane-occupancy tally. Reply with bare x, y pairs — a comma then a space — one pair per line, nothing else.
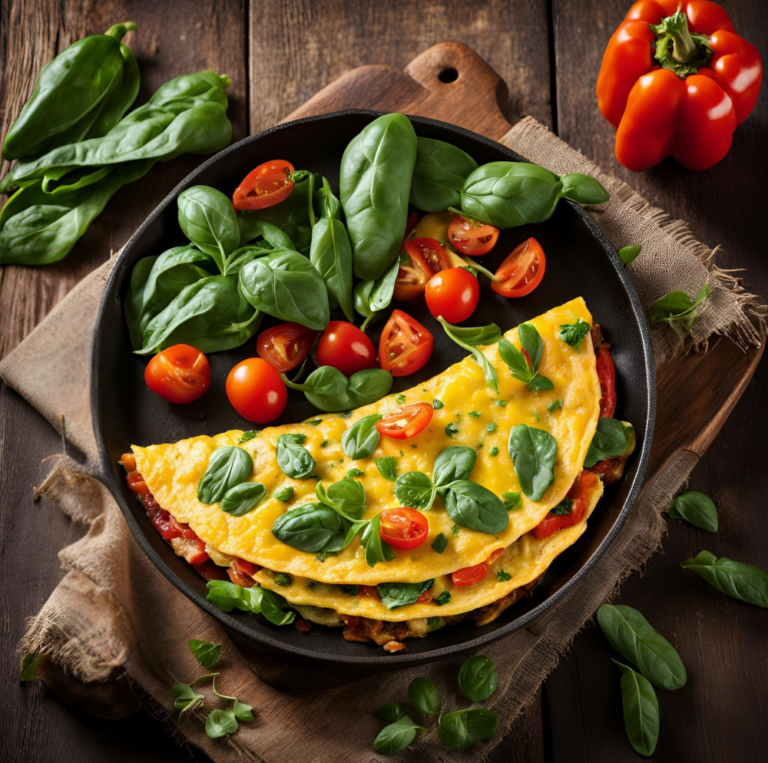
677, 49
683, 49
118, 31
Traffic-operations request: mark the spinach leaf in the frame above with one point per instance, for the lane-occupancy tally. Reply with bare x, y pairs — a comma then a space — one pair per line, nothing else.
630, 634
329, 390
524, 370
375, 181
423, 695
372, 297
416, 490
574, 333
744, 582
438, 175
478, 679
228, 466
440, 543
376, 550
346, 497
243, 498
394, 595
228, 596
283, 494
271, 236
220, 723
465, 338
512, 501
533, 452
475, 507
293, 458
387, 468
697, 509
209, 314
611, 439
361, 439
461, 729
679, 310
204, 652
628, 254
641, 711
286, 285
208, 220
397, 736
453, 463
392, 712
314, 528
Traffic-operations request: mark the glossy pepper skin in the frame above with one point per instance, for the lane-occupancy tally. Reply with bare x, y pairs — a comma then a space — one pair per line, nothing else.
677, 83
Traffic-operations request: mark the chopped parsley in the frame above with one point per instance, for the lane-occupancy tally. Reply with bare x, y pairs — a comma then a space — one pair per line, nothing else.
574, 333
437, 404
502, 576
455, 530
346, 415
501, 403
474, 414
536, 414
249, 435
351, 590
494, 451
324, 443
283, 494
443, 598
563, 508
352, 473
314, 422
399, 399
283, 579
322, 557
491, 427
556, 406
439, 544
451, 430
312, 586
511, 501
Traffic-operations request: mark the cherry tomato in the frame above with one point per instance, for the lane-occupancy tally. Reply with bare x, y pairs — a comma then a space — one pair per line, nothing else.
426, 257
471, 236
256, 391
454, 294
267, 185
522, 271
346, 348
179, 374
406, 422
405, 345
469, 575
579, 494
403, 527
285, 346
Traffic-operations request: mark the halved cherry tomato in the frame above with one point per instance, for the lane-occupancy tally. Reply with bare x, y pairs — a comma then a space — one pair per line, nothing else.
256, 391
471, 236
405, 422
405, 345
522, 271
426, 257
346, 348
285, 346
453, 293
579, 494
267, 185
179, 374
470, 575
403, 527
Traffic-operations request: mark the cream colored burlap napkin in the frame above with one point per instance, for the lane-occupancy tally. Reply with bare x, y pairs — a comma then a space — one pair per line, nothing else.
115, 615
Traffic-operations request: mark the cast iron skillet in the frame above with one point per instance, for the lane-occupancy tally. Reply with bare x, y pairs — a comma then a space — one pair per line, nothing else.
580, 261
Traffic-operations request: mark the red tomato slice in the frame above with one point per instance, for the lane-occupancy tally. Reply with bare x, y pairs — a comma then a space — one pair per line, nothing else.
425, 597
403, 527
346, 348
179, 374
267, 185
579, 494
406, 422
256, 391
426, 256
471, 237
454, 294
469, 575
405, 345
522, 271
285, 346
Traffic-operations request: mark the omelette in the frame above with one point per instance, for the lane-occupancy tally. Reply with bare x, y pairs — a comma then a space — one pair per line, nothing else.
402, 592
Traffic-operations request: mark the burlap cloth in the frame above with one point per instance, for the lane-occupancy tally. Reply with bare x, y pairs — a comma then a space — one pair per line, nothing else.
115, 615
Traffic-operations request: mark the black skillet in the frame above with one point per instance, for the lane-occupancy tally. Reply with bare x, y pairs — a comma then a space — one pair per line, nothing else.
580, 262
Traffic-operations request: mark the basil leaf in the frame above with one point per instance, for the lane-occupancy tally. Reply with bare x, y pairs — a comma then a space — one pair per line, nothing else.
361, 439
392, 712
453, 463
274, 608
387, 468
533, 452
228, 466
464, 339
511, 501
424, 696
443, 598
293, 458
583, 189
416, 490
438, 175
440, 543
574, 333
630, 634
530, 340
313, 527
30, 666
477, 336
228, 596
461, 729
475, 507
697, 509
521, 369
249, 435
376, 550
679, 310
744, 582
346, 497
611, 439
283, 494
628, 254
641, 711
394, 595
515, 360
478, 679
204, 652
219, 723
243, 498
397, 736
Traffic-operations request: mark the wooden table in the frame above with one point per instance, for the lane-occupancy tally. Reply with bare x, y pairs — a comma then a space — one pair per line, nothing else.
278, 54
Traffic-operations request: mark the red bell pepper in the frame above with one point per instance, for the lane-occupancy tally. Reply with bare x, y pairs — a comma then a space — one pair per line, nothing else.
677, 83
579, 495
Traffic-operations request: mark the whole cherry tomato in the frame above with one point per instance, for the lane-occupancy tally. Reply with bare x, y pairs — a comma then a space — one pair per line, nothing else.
346, 348
405, 345
403, 527
267, 185
522, 271
454, 294
179, 374
472, 237
256, 391
286, 345
406, 422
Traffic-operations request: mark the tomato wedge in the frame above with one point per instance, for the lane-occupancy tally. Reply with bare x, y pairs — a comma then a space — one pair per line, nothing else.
470, 575
425, 257
522, 271
405, 345
471, 236
267, 185
579, 494
179, 374
285, 346
403, 527
406, 422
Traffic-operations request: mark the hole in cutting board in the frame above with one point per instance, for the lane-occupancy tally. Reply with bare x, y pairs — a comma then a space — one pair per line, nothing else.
448, 75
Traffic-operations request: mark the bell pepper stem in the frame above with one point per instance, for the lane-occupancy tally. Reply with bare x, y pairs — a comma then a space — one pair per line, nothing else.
677, 49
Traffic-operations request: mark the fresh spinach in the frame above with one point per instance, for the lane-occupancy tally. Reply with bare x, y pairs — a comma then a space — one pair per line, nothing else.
329, 390
204, 652
641, 711
228, 466
361, 439
525, 369
628, 254
243, 498
371, 298
679, 310
440, 543
387, 468
611, 439
744, 582
563, 508
424, 696
346, 497
397, 736
293, 458
555, 406
415, 490
392, 712
469, 339
394, 595
697, 509
478, 679
461, 729
228, 596
439, 175
533, 452
249, 435
475, 507
314, 528
574, 333
455, 462
512, 501
443, 598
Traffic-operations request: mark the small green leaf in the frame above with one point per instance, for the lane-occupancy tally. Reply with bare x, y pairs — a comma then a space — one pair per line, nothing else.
293, 458
243, 712
574, 333
552, 407
204, 652
512, 501
641, 711
478, 679
437, 404
679, 310
443, 597
387, 468
423, 695
243, 498
440, 543
628, 254
697, 509
744, 582
249, 435
228, 466
415, 490
461, 729
220, 723
30, 666
392, 712
352, 473
502, 577
361, 439
397, 736
283, 494
394, 595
